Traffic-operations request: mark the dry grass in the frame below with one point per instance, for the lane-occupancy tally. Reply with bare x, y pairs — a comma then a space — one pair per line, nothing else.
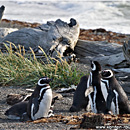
19, 68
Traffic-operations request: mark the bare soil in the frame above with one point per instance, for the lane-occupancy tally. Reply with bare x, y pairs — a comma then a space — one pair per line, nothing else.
61, 107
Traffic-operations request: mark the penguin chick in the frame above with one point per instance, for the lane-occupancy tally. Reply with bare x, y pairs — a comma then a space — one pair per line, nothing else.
98, 104
17, 111
79, 100
40, 100
115, 95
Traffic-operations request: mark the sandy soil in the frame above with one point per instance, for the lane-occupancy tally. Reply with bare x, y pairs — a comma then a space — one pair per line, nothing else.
61, 107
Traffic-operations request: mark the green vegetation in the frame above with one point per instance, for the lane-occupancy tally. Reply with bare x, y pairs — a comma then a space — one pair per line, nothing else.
17, 69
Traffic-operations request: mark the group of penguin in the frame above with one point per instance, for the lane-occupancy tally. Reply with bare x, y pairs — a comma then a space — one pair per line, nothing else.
103, 93
99, 92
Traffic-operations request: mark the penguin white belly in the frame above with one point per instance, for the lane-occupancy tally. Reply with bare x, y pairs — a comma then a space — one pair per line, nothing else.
105, 94
104, 90
116, 107
89, 95
44, 105
94, 99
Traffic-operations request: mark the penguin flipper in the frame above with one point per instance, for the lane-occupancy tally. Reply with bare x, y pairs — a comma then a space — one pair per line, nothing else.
35, 103
89, 91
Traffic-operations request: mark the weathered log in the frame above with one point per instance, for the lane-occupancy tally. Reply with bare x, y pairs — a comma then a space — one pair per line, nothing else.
111, 60
52, 36
99, 50
85, 48
5, 31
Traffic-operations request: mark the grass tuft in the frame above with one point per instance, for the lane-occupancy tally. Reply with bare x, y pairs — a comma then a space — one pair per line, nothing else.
17, 69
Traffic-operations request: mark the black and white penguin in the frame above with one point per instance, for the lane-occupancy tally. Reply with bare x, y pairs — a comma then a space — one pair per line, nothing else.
116, 98
40, 100
79, 100
19, 111
98, 104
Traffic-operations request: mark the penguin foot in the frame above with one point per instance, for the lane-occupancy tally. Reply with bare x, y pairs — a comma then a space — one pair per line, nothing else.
109, 113
50, 113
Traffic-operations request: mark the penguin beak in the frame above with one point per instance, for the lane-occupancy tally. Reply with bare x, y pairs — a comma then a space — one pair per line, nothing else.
50, 80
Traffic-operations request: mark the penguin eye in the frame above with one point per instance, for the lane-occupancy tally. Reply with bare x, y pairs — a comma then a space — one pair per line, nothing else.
108, 73
42, 81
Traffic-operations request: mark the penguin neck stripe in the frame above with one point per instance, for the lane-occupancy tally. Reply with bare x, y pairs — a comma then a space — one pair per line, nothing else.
94, 66
117, 107
32, 113
42, 84
106, 82
42, 91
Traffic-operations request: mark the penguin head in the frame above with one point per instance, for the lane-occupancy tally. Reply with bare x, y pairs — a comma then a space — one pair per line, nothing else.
2, 7
107, 74
44, 80
95, 66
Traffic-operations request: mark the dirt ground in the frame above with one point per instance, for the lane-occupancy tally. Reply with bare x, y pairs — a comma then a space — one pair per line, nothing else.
61, 107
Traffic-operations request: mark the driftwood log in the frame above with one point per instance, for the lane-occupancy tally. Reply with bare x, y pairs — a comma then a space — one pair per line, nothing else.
5, 31
104, 52
96, 48
54, 35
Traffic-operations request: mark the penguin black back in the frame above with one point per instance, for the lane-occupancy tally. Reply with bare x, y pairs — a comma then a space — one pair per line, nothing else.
115, 93
79, 100
17, 111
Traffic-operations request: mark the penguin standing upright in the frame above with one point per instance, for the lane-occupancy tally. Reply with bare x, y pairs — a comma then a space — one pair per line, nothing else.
116, 95
98, 104
40, 100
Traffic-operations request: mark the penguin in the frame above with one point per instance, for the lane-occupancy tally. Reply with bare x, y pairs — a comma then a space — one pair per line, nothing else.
79, 100
40, 100
115, 94
96, 98
17, 111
